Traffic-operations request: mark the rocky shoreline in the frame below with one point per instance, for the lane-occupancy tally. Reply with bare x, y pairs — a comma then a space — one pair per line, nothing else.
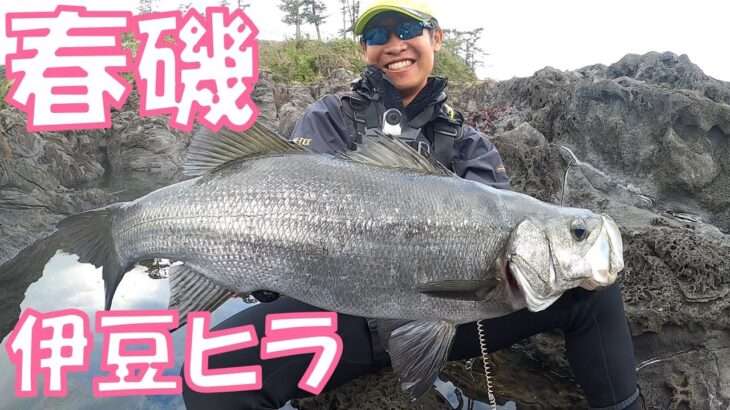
646, 140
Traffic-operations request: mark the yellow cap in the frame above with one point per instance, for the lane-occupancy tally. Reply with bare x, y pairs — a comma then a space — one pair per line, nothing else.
418, 10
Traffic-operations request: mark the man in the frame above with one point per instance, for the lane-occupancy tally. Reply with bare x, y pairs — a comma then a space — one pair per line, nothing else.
399, 40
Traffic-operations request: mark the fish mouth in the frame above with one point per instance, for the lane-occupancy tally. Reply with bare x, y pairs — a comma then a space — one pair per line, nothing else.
605, 257
530, 299
514, 293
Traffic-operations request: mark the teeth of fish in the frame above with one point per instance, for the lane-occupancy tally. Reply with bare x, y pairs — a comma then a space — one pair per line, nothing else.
399, 65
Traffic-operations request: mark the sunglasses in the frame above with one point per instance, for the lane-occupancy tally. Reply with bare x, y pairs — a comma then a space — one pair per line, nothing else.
377, 36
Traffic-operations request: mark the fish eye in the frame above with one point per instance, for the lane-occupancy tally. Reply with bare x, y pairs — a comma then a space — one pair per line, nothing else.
578, 228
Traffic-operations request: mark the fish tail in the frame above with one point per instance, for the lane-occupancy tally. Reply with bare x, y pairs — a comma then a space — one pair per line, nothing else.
88, 234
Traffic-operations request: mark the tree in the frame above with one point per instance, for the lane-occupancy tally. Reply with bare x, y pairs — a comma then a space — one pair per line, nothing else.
314, 14
293, 14
350, 10
464, 45
343, 8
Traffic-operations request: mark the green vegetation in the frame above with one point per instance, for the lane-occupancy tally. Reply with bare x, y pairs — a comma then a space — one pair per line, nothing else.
465, 45
450, 65
305, 61
130, 42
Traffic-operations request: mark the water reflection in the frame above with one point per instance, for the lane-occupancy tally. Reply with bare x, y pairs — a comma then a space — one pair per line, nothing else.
61, 282
156, 268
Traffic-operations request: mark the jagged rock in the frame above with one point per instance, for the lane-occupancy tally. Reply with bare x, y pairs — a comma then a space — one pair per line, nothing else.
46, 176
536, 170
145, 144
338, 81
298, 99
264, 98
524, 134
42, 176
655, 122
670, 70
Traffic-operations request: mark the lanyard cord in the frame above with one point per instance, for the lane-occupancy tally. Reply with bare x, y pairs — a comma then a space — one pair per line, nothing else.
485, 360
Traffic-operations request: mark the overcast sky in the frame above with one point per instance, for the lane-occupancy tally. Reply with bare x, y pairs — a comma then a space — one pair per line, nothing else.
520, 36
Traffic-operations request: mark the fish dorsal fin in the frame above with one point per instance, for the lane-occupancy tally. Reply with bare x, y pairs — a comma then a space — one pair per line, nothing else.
457, 289
418, 351
389, 152
208, 150
191, 291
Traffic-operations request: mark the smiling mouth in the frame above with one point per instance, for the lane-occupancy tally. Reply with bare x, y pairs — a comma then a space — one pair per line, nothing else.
399, 65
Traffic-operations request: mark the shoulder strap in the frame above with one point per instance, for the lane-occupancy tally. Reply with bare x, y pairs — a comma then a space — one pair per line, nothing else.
446, 129
361, 112
441, 134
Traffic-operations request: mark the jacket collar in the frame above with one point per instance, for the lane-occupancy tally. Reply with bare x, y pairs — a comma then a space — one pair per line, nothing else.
375, 85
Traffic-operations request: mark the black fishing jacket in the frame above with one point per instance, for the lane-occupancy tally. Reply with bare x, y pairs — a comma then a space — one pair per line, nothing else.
333, 123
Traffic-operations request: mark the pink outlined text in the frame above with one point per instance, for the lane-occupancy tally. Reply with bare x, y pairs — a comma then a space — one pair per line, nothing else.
61, 53
66, 70
136, 371
137, 347
289, 334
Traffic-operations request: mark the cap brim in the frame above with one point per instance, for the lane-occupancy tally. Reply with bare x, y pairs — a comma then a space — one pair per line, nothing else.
368, 15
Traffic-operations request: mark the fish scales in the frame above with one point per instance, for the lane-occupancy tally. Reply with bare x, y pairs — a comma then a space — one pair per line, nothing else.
380, 232
327, 232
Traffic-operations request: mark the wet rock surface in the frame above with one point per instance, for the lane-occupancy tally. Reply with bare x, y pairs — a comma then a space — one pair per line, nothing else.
645, 140
42, 176
48, 175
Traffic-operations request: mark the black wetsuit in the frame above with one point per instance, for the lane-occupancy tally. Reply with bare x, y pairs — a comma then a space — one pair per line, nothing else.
597, 338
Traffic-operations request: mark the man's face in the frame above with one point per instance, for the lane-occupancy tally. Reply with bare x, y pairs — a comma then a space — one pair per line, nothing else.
408, 63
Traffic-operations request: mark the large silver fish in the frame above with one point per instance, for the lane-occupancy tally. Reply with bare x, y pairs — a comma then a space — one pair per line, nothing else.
380, 232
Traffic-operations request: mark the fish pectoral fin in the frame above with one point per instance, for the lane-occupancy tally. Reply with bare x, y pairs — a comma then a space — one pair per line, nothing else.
209, 150
191, 291
474, 290
418, 351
